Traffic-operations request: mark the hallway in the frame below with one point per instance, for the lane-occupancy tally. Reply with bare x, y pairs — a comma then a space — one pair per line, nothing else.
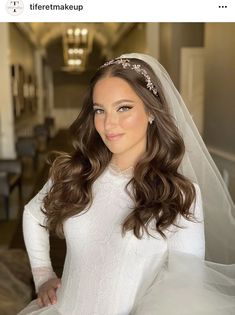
46, 68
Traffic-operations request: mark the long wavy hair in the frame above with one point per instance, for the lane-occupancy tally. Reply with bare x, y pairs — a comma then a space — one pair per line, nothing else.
159, 192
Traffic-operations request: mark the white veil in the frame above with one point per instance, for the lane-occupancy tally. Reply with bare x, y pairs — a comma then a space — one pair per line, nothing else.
185, 284
198, 166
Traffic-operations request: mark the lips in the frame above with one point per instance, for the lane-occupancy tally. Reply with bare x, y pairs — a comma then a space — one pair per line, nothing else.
112, 137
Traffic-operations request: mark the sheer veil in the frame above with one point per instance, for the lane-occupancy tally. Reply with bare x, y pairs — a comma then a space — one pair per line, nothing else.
197, 165
185, 284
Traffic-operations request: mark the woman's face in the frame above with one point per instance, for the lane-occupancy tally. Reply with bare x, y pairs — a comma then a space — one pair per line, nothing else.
120, 117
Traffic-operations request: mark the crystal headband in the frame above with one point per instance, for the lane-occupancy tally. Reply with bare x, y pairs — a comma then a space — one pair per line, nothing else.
126, 64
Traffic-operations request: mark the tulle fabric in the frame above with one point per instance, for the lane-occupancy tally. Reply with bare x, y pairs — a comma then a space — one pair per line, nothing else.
34, 309
187, 285
14, 294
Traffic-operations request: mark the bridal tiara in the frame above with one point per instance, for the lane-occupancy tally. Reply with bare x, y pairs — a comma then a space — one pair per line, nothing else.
125, 63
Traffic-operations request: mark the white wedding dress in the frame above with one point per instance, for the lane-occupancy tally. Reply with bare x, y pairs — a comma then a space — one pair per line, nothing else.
107, 274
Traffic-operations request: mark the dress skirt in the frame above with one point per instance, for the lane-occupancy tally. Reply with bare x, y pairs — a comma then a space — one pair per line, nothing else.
188, 285
185, 285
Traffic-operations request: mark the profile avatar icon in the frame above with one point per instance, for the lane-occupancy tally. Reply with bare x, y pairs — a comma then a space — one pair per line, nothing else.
15, 7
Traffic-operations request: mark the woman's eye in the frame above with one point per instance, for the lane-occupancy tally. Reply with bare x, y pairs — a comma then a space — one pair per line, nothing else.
98, 111
124, 108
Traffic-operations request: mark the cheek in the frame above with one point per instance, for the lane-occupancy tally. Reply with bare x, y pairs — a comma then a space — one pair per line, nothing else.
134, 121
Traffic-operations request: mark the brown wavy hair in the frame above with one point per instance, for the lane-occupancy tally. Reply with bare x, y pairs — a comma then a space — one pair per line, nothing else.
159, 192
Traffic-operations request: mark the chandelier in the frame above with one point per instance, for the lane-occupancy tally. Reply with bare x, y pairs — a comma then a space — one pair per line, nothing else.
77, 44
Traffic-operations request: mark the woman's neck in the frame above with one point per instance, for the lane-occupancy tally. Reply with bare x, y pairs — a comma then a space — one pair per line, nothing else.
123, 164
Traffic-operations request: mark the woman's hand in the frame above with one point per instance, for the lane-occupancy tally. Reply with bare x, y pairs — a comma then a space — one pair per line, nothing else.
47, 292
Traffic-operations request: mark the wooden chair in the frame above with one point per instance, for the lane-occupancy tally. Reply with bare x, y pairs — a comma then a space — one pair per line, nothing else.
49, 122
42, 134
27, 147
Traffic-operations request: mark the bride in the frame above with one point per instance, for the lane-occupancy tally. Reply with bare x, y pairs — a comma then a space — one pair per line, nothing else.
145, 213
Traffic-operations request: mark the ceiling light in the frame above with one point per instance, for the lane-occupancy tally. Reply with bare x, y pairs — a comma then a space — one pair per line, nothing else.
80, 51
77, 31
70, 31
71, 62
77, 62
84, 31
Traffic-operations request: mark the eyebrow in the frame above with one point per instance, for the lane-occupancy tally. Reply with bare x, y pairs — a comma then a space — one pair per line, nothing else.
115, 103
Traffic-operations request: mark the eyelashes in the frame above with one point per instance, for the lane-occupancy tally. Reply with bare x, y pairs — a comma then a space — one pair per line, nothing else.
123, 108
97, 111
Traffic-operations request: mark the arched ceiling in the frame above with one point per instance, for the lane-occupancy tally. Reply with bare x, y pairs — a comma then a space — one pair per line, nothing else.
106, 34
49, 38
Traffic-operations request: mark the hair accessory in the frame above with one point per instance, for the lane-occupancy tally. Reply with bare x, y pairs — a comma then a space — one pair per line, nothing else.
136, 67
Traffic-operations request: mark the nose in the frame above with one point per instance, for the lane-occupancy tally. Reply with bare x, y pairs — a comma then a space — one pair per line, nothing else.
110, 120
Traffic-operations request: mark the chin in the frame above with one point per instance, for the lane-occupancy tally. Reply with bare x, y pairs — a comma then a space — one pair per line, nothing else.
115, 149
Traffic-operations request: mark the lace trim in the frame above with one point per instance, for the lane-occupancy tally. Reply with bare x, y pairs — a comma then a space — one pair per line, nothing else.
41, 275
115, 170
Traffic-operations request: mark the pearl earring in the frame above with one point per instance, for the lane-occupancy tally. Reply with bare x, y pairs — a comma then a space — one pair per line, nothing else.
151, 119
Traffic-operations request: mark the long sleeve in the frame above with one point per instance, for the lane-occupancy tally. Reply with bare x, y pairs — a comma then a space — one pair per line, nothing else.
36, 239
190, 239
